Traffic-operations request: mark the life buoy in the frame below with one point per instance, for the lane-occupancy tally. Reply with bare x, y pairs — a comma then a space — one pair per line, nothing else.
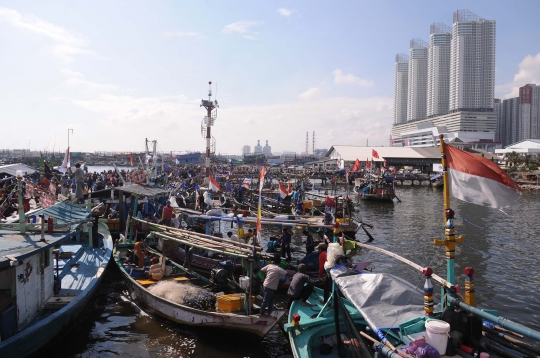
138, 176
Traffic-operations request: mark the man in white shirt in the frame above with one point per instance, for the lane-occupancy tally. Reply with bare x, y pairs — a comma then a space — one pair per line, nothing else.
234, 238
271, 282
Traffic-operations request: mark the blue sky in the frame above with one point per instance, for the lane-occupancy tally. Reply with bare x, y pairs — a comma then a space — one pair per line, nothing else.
119, 72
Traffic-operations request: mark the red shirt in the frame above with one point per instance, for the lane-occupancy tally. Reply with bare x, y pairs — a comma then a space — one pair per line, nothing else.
322, 260
167, 212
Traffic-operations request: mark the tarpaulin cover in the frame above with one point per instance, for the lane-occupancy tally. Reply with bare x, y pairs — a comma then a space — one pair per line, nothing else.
384, 300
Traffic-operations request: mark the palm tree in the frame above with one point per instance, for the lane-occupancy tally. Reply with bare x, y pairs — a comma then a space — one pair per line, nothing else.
527, 160
512, 158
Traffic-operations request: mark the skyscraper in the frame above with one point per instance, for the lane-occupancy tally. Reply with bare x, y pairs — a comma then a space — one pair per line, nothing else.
529, 113
401, 83
417, 86
438, 85
472, 64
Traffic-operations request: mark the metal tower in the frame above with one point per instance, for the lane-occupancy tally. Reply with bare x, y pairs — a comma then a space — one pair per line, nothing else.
313, 142
208, 120
307, 143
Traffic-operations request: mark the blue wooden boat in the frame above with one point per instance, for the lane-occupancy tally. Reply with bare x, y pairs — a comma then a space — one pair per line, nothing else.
366, 307
48, 275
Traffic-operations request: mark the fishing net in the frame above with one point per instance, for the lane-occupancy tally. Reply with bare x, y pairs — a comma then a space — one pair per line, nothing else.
185, 294
349, 344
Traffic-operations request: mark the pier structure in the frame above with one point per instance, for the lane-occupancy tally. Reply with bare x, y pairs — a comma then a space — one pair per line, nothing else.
206, 125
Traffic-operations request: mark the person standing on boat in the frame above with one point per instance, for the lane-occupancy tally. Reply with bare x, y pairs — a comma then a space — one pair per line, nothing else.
234, 238
166, 214
301, 287
138, 253
273, 272
310, 243
286, 244
79, 181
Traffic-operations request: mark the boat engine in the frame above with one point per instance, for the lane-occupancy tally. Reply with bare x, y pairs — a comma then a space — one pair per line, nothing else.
219, 276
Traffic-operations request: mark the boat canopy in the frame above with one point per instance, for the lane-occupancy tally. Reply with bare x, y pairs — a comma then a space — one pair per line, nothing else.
146, 190
384, 300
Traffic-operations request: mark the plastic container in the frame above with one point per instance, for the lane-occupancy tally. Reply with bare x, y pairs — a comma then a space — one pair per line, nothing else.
334, 250
484, 355
244, 282
232, 303
437, 334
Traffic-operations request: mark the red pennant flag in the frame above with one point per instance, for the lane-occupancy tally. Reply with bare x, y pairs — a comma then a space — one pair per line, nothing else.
356, 165
368, 164
374, 154
131, 160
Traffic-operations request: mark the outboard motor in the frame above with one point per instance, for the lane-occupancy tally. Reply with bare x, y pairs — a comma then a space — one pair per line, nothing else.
219, 276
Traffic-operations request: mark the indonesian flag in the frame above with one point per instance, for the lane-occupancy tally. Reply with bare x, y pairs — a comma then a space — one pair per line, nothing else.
259, 213
478, 180
246, 183
374, 154
213, 184
356, 166
66, 163
283, 192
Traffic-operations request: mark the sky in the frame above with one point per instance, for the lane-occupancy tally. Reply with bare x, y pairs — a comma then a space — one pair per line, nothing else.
118, 72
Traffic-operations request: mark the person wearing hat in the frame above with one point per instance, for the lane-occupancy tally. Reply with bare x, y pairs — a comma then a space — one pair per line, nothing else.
301, 287
166, 215
273, 272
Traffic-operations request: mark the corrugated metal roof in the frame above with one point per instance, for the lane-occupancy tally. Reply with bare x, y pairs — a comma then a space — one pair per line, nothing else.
351, 153
11, 169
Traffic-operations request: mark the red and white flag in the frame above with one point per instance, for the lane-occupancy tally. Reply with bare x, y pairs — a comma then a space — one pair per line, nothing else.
374, 154
259, 213
283, 192
478, 180
356, 166
213, 184
246, 183
66, 163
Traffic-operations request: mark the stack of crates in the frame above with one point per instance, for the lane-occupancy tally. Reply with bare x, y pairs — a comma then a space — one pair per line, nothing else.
232, 302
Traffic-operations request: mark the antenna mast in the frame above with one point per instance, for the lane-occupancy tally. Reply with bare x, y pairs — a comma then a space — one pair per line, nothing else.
208, 120
313, 142
307, 143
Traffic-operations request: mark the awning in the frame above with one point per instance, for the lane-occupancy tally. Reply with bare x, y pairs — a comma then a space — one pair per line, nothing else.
11, 169
146, 190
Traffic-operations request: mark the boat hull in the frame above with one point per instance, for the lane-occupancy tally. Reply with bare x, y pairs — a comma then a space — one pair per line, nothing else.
37, 336
387, 198
254, 325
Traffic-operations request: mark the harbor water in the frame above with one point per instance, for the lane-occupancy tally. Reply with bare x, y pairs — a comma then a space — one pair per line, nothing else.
502, 247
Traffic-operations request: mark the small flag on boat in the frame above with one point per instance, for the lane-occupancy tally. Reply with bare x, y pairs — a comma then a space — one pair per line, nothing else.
261, 177
374, 154
478, 180
213, 184
283, 191
66, 163
131, 161
246, 183
356, 166
368, 164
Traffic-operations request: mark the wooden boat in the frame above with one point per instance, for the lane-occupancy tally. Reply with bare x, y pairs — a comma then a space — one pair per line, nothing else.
143, 290
45, 289
381, 190
437, 181
396, 314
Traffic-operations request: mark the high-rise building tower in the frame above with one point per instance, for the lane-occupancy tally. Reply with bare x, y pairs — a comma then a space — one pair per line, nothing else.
417, 87
529, 113
267, 150
472, 64
401, 83
438, 87
246, 150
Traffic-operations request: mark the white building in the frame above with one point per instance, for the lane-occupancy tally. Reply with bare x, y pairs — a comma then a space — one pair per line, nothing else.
246, 150
528, 146
438, 86
476, 128
401, 83
417, 77
258, 148
267, 150
472, 65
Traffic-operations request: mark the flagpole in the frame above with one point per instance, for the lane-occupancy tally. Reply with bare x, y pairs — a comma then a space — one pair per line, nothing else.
449, 232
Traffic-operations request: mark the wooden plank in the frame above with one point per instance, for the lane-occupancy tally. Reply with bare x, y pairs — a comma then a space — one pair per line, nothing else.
58, 302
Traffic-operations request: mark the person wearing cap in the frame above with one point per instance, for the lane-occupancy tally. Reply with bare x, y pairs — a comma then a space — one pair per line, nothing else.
273, 272
166, 215
301, 287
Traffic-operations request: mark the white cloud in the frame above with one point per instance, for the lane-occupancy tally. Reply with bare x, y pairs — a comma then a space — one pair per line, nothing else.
77, 79
67, 44
182, 34
285, 12
311, 93
241, 27
528, 72
341, 78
